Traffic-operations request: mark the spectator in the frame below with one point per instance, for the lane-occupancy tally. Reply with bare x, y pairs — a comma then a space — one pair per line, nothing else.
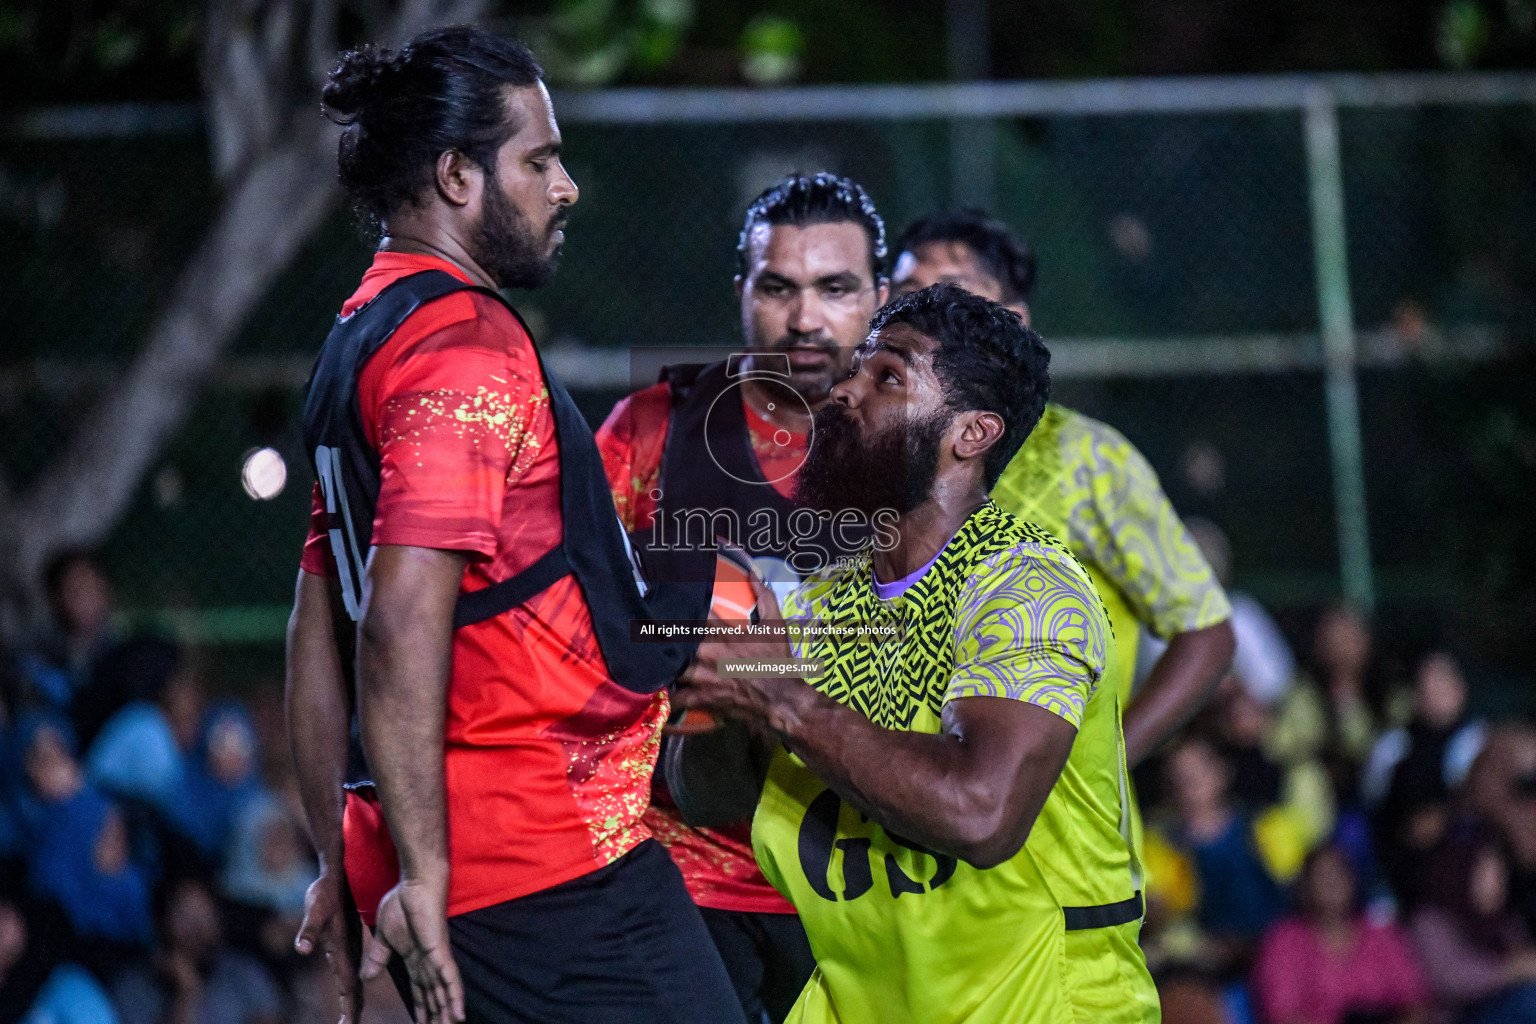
1501, 790
220, 778
194, 977
1177, 953
1330, 716
78, 849
1329, 962
40, 766
1238, 896
58, 669
141, 752
1413, 770
129, 671
1240, 723
1475, 949
1262, 663
269, 869
36, 986
268, 861
1289, 789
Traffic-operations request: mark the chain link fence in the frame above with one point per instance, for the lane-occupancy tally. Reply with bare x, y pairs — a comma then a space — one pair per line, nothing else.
1179, 286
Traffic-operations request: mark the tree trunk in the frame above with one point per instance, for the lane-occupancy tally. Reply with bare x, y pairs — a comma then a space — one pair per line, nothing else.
264, 62
264, 220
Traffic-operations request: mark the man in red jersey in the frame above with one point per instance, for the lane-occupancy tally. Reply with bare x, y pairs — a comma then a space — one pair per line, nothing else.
463, 522
720, 447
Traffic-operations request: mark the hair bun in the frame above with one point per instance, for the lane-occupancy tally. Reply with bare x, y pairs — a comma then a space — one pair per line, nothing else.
356, 81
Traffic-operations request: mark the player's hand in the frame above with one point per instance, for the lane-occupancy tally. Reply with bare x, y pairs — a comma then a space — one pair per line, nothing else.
745, 698
413, 922
331, 922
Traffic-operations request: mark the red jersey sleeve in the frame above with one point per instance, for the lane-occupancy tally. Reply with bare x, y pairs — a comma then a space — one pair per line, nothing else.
631, 441
317, 558
453, 415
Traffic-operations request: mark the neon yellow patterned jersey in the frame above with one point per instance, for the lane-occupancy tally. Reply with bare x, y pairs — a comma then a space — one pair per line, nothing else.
1082, 481
903, 935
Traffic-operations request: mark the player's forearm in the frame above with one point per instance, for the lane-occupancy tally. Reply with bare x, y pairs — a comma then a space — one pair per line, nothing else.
404, 657
1179, 684
318, 704
403, 693
924, 787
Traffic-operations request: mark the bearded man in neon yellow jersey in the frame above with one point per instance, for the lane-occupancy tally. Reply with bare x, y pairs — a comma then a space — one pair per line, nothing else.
949, 810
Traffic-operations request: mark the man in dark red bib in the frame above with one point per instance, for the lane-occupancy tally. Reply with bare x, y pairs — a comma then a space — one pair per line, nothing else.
463, 523
730, 438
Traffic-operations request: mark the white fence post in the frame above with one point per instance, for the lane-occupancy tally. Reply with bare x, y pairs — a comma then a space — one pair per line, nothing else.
1336, 316
972, 140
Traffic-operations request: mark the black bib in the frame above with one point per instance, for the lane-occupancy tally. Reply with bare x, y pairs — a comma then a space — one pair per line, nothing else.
712, 485
593, 547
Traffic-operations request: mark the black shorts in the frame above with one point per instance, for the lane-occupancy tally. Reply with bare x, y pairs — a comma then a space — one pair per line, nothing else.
767, 956
621, 945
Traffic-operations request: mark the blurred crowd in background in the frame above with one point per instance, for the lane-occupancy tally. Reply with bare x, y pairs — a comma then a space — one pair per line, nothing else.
1334, 831
1336, 840
152, 862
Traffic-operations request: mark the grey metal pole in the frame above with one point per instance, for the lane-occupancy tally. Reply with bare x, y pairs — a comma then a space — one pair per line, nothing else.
1336, 315
972, 140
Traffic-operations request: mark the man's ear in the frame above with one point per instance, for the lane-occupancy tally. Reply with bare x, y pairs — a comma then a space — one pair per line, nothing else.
979, 431
883, 292
459, 179
740, 284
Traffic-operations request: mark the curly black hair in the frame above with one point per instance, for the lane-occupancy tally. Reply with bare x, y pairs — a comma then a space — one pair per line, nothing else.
987, 359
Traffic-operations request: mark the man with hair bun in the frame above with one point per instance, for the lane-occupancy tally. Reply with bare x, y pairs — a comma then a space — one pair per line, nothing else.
464, 534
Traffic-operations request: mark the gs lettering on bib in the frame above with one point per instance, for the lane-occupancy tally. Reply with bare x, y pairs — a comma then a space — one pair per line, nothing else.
838, 842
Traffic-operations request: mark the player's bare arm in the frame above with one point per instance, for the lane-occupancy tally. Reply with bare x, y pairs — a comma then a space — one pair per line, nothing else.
973, 790
319, 710
404, 653
1179, 684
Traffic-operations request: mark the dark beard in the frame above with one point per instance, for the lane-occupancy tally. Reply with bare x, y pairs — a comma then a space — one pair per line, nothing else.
508, 248
894, 469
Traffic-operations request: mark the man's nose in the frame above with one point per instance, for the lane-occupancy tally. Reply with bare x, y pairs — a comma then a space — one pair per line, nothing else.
844, 392
806, 315
563, 190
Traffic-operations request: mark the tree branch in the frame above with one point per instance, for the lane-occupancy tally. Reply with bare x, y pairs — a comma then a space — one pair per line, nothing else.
263, 63
264, 220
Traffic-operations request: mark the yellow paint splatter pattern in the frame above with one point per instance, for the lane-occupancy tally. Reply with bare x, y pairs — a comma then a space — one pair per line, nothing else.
610, 778
416, 418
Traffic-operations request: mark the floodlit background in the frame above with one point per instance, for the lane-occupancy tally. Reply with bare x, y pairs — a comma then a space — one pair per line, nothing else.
1289, 249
